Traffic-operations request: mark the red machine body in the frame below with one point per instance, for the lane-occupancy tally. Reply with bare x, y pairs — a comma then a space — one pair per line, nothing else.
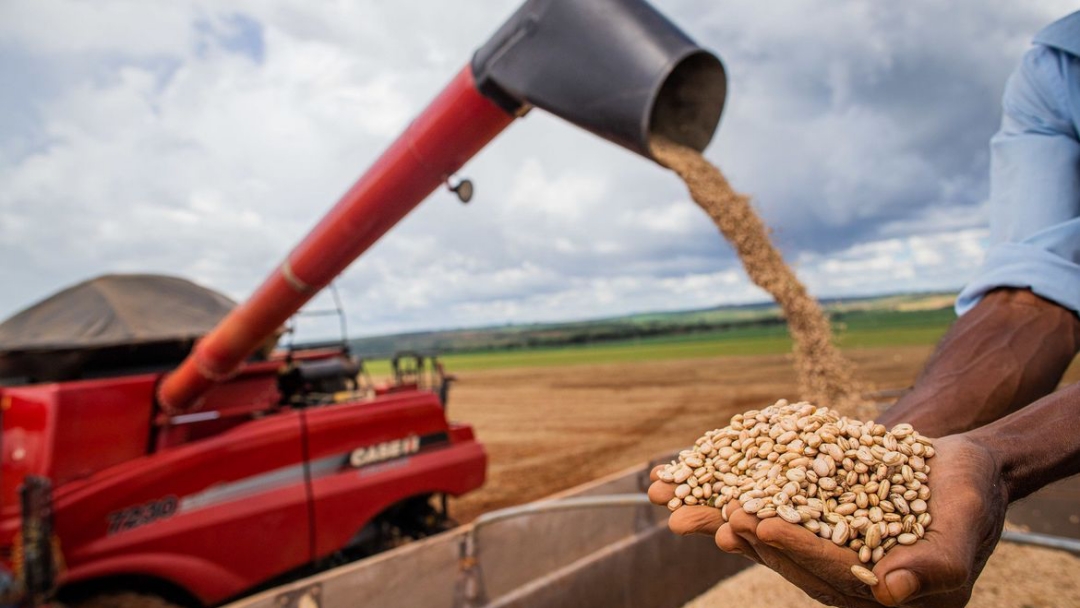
245, 492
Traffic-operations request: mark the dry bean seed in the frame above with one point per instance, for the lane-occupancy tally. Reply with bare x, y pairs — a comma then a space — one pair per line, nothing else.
865, 553
907, 538
840, 533
864, 575
788, 514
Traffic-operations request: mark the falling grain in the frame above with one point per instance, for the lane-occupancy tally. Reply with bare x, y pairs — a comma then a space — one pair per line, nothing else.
824, 376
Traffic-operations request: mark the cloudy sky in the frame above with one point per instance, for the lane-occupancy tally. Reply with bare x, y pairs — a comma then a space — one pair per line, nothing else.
204, 139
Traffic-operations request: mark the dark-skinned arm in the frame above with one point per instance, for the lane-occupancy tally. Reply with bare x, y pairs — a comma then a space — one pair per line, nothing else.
1036, 446
1007, 352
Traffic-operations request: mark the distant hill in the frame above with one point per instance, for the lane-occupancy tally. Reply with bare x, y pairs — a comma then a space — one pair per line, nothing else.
636, 326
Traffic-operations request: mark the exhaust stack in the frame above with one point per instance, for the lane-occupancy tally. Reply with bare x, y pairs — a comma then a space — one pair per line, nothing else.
617, 68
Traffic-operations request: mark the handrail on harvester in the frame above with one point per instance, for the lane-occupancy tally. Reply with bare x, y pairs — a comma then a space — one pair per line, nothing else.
617, 68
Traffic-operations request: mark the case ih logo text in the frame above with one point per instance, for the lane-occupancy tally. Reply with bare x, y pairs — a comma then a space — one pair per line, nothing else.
379, 452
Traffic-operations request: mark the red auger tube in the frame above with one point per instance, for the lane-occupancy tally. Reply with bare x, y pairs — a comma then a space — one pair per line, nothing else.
457, 125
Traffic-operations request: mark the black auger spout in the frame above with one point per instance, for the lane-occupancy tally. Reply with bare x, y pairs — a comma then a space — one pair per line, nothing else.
617, 68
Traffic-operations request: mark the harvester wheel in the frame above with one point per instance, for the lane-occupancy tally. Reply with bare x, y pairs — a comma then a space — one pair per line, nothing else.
124, 600
405, 522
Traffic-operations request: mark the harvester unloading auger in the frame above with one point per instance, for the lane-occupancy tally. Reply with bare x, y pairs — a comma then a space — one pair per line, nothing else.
617, 68
135, 492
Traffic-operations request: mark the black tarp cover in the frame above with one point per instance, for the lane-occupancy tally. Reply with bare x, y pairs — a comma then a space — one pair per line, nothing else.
112, 321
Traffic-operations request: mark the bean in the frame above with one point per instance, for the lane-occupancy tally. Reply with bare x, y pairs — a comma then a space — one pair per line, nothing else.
840, 533
753, 505
865, 553
864, 575
788, 514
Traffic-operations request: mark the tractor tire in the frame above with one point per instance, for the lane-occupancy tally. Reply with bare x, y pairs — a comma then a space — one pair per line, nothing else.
124, 600
407, 521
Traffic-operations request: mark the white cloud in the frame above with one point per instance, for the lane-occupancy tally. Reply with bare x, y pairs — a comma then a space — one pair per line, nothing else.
130, 27
559, 202
941, 261
204, 140
672, 218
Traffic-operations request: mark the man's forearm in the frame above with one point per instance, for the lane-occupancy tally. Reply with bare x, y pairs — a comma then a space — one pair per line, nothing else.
1038, 445
1007, 352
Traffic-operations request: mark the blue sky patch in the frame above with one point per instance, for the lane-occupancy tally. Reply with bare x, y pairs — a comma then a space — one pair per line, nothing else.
236, 33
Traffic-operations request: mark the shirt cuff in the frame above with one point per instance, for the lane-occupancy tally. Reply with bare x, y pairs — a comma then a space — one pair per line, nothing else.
1024, 266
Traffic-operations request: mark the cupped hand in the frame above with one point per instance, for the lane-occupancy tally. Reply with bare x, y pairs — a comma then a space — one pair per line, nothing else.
686, 519
968, 509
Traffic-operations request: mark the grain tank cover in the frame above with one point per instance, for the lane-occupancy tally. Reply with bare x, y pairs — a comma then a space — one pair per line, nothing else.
108, 323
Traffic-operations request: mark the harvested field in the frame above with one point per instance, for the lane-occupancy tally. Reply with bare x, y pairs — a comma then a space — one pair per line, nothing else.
550, 428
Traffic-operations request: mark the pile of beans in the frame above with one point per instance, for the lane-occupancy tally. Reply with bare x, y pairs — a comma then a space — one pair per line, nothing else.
857, 484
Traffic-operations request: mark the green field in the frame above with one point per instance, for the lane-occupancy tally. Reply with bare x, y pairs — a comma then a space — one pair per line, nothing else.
858, 329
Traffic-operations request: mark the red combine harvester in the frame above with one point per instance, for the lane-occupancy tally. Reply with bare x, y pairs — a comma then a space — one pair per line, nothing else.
287, 464
236, 469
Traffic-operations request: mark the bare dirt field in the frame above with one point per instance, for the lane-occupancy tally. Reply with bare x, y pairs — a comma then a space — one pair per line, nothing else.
550, 428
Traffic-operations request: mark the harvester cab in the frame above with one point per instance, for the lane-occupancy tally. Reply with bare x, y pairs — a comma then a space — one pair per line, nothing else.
333, 379
171, 483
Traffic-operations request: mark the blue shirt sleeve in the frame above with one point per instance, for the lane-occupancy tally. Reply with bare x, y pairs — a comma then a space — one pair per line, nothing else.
1035, 185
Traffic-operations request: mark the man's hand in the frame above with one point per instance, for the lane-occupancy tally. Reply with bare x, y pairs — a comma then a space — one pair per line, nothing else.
709, 520
968, 510
687, 519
